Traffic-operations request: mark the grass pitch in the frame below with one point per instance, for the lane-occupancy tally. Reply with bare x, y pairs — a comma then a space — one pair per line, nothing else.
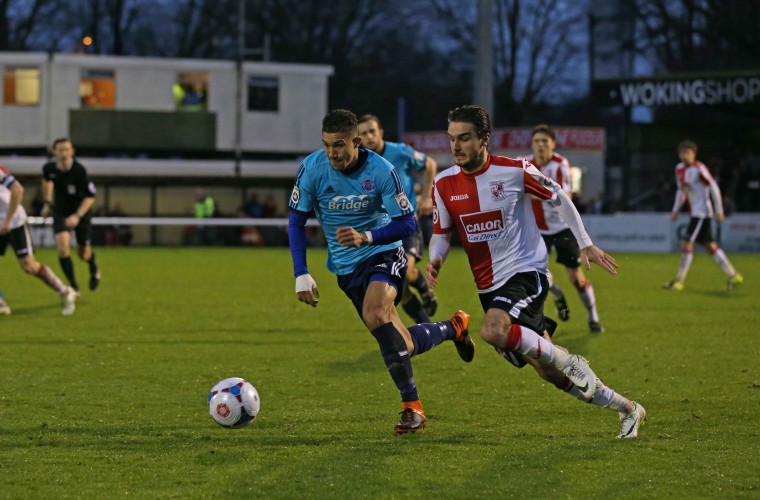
111, 402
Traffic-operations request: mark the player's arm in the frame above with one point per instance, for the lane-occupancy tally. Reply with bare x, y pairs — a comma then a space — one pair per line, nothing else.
73, 220
440, 241
17, 194
46, 188
301, 205
425, 206
306, 287
398, 229
541, 186
714, 193
439, 247
678, 203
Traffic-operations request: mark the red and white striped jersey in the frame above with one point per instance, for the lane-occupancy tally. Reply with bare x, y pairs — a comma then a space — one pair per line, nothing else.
6, 180
696, 184
558, 170
492, 213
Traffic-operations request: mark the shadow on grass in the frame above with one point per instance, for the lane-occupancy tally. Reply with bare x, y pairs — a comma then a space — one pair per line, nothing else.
29, 311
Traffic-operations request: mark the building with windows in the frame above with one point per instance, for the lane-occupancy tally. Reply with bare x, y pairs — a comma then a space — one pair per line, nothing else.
151, 131
145, 105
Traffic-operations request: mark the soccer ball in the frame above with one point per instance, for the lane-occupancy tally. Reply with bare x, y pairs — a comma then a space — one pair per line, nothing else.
233, 403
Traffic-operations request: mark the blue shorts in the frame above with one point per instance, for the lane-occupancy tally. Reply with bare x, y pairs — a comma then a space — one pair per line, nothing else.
389, 266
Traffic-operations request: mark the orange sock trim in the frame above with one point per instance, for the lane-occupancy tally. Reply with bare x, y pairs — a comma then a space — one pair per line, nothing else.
413, 405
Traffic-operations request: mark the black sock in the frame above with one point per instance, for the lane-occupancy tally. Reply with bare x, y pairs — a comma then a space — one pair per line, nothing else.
414, 309
396, 357
68, 270
425, 336
420, 283
93, 264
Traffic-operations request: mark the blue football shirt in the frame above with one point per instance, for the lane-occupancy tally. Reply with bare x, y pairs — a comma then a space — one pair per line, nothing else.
406, 160
365, 198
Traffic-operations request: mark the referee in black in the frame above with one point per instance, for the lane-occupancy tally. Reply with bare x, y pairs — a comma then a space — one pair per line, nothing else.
69, 195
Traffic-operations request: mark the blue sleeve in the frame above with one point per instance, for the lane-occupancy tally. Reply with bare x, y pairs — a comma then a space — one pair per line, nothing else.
397, 230
297, 239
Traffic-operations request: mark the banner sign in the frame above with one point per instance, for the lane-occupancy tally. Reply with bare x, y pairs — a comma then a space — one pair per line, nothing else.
568, 138
707, 91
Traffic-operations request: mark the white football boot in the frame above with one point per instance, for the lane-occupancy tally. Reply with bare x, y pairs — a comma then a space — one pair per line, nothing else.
68, 302
629, 424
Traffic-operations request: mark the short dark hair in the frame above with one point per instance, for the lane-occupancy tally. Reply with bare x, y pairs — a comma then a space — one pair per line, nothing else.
60, 140
474, 114
339, 120
543, 128
369, 118
687, 144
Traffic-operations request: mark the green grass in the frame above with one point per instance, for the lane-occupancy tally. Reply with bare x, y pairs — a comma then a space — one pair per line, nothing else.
112, 401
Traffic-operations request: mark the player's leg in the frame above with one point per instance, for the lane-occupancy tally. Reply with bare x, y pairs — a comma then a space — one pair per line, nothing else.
21, 240
587, 296
687, 253
514, 315
409, 301
560, 302
720, 258
84, 249
631, 413
413, 247
63, 248
378, 312
5, 309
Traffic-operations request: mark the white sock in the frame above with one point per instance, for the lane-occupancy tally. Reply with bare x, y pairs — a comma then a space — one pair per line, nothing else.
589, 300
50, 279
720, 257
604, 397
527, 342
683, 267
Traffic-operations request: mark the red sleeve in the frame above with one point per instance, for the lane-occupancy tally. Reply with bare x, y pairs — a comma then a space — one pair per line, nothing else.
537, 188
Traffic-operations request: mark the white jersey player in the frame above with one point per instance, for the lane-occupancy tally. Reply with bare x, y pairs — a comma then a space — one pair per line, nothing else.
15, 231
555, 231
486, 199
697, 187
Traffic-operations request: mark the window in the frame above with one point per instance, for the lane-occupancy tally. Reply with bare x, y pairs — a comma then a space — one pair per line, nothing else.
263, 93
21, 86
97, 88
190, 91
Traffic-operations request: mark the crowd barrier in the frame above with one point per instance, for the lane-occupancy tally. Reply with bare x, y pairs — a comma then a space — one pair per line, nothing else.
622, 232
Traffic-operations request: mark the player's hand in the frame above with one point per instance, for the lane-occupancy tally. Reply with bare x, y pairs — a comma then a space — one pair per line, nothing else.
71, 221
719, 218
45, 212
432, 270
5, 228
306, 290
350, 237
425, 207
673, 215
596, 255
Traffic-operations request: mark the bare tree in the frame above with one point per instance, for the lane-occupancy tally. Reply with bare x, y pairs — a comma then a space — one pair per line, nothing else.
688, 35
19, 20
538, 47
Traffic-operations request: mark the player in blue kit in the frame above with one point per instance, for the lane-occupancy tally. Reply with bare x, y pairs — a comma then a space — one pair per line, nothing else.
359, 201
407, 162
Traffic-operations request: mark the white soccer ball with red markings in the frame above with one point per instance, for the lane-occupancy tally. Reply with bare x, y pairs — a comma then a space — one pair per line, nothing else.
233, 403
